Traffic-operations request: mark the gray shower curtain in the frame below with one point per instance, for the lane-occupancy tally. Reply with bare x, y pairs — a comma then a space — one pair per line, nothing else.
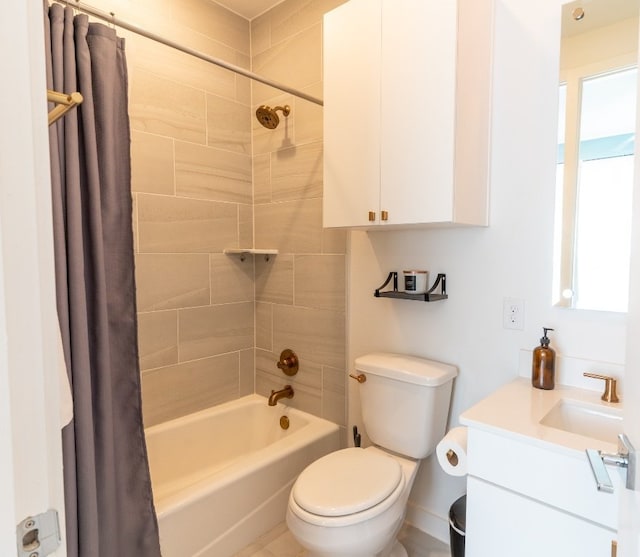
109, 505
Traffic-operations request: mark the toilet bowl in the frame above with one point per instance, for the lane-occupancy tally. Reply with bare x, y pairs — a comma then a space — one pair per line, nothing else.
351, 503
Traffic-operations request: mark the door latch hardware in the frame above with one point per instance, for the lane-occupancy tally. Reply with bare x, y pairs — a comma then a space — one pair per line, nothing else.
626, 458
38, 536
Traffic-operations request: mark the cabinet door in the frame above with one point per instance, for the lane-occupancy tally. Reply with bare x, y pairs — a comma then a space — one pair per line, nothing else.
418, 110
502, 523
352, 113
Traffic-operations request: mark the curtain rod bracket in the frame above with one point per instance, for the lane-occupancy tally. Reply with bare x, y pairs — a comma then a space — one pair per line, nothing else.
64, 103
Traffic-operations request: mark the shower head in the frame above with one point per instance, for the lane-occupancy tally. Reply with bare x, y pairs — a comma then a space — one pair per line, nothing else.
268, 116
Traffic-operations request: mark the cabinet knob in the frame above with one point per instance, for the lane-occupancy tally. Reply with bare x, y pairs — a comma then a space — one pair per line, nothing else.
372, 216
384, 215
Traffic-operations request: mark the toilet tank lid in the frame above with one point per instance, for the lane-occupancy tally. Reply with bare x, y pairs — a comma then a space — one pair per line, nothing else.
409, 369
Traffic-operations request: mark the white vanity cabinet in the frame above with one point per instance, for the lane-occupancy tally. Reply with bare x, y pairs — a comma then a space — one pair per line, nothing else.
407, 109
530, 501
514, 525
530, 489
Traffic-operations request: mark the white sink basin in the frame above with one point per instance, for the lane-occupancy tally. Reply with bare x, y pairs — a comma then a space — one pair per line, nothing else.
589, 420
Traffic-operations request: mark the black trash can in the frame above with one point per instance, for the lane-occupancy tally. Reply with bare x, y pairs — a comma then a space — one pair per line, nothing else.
458, 526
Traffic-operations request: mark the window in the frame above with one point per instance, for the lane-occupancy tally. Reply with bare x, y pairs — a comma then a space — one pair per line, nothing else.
595, 179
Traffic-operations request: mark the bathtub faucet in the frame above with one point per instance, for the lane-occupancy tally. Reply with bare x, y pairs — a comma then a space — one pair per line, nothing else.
287, 392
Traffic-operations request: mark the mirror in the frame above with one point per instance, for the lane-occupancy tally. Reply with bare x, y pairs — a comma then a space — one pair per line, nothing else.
596, 140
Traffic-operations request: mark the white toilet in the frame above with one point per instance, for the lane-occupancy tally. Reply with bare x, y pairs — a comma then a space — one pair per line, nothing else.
351, 503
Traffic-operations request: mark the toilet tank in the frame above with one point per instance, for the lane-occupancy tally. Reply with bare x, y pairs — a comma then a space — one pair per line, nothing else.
405, 401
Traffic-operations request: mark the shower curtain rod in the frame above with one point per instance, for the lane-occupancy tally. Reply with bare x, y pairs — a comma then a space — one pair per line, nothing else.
110, 17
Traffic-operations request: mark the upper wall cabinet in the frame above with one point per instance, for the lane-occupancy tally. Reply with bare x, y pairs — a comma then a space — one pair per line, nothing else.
407, 107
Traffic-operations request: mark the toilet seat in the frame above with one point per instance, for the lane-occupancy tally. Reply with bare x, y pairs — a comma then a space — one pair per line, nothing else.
347, 486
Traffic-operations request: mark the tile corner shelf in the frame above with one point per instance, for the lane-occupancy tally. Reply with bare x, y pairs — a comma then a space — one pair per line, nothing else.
430, 296
243, 252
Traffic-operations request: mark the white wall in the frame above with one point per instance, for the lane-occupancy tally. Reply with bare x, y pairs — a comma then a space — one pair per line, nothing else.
30, 441
510, 258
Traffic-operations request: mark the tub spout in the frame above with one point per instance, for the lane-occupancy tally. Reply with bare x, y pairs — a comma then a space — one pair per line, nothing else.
287, 392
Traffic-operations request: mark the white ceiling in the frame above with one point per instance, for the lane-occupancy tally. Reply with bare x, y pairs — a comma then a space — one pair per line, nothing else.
249, 8
597, 13
609, 9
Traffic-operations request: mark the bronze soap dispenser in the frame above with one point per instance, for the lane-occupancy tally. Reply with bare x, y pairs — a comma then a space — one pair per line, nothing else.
543, 368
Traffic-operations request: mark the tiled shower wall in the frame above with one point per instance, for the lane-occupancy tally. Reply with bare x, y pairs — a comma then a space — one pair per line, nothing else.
300, 294
204, 173
192, 188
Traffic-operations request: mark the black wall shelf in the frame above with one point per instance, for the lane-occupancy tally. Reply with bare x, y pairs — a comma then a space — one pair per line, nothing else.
430, 296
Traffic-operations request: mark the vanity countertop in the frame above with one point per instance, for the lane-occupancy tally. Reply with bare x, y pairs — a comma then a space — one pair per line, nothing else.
516, 409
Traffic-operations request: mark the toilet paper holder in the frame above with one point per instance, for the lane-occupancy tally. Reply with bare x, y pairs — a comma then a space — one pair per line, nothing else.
452, 457
451, 452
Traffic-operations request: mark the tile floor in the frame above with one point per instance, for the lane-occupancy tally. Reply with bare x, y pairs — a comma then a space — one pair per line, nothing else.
280, 543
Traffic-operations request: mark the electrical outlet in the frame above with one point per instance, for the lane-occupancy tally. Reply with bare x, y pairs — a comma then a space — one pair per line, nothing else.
513, 314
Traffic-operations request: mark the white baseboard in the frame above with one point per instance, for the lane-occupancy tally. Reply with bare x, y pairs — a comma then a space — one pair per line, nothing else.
434, 525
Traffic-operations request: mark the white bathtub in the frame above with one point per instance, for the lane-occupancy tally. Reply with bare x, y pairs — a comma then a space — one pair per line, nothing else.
221, 477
